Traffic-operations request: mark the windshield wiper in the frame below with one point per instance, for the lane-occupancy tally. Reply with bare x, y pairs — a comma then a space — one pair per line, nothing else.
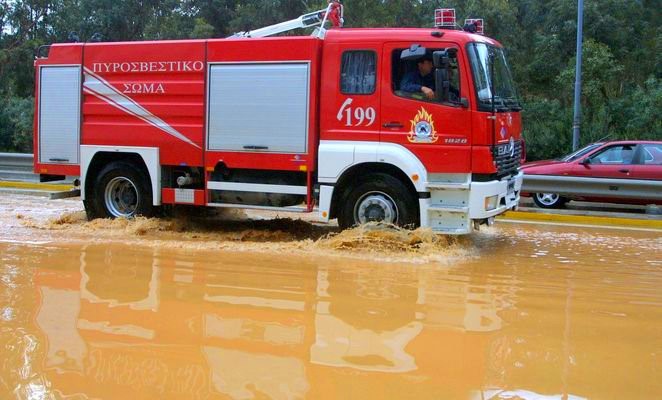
499, 104
513, 104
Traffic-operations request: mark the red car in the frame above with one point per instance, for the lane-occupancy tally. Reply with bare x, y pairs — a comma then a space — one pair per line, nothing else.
641, 160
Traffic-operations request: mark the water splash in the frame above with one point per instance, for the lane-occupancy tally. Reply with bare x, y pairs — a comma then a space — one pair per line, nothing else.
235, 230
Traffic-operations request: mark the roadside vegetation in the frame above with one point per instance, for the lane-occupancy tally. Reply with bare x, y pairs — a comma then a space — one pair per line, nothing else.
622, 64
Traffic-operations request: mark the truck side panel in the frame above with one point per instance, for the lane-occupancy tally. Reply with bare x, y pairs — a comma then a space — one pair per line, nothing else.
146, 94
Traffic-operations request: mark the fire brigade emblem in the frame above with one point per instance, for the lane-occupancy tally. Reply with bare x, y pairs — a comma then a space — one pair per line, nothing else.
422, 128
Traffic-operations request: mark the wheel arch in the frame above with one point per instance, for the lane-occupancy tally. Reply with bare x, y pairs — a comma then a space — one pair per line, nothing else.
341, 160
356, 171
95, 158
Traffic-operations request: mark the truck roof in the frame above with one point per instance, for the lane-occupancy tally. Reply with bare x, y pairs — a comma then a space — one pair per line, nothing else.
346, 35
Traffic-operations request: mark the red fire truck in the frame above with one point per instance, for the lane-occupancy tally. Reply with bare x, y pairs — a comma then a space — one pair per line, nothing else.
292, 123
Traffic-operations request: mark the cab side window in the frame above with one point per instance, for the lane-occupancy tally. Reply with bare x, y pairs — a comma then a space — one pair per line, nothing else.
615, 155
412, 78
358, 72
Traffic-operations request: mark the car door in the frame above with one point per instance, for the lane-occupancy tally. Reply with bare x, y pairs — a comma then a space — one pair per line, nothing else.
438, 133
613, 161
649, 162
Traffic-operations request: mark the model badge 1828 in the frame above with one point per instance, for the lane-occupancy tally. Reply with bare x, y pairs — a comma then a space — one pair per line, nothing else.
456, 140
422, 128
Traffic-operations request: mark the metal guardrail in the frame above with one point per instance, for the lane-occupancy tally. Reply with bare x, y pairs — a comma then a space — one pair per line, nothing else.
16, 160
17, 167
594, 187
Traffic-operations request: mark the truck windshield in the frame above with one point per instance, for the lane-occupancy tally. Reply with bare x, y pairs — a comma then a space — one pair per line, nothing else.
490, 69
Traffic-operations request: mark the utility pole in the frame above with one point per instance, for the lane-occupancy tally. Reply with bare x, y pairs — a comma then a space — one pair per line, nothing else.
576, 122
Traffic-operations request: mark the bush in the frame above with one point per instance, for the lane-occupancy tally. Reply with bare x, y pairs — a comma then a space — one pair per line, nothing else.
547, 128
16, 116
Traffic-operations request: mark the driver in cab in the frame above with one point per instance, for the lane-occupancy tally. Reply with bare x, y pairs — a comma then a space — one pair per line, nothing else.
420, 80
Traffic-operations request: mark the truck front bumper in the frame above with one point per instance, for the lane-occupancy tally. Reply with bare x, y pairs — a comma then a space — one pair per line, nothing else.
489, 199
456, 207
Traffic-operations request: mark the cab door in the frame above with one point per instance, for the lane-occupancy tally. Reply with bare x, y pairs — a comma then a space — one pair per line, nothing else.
439, 134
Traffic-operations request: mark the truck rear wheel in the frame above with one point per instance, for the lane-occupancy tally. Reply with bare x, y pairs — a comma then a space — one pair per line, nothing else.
379, 198
121, 190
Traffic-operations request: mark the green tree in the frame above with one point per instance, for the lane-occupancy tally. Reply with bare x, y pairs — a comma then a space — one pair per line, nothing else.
622, 68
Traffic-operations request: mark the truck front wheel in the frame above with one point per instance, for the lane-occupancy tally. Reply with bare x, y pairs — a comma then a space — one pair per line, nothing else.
378, 198
121, 190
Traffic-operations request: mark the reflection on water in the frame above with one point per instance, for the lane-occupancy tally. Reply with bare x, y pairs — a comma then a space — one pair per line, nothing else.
533, 313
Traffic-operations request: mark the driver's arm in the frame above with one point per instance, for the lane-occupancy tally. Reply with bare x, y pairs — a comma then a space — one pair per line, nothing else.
409, 84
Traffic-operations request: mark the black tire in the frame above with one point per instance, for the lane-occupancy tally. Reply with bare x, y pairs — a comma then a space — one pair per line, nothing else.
121, 189
549, 200
385, 190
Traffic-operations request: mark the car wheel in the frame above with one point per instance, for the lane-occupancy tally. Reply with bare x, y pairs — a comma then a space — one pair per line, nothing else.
549, 200
379, 198
121, 191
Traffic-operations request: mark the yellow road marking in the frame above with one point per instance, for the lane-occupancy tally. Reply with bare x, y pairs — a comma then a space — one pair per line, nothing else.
35, 186
581, 219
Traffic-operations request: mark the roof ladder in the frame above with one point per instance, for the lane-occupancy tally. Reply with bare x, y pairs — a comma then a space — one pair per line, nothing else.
333, 13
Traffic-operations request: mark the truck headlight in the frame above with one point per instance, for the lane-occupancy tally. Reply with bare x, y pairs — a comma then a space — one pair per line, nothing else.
491, 202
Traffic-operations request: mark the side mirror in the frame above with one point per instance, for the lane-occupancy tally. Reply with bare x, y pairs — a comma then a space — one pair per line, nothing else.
464, 102
442, 83
585, 162
441, 59
414, 52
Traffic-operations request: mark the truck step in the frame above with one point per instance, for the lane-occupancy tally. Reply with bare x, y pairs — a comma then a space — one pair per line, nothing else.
256, 187
453, 209
452, 231
447, 186
293, 209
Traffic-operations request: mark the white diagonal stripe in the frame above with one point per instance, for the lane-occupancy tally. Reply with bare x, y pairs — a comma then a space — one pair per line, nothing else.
98, 87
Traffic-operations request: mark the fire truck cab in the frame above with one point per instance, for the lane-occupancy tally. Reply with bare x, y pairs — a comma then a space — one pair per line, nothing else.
331, 121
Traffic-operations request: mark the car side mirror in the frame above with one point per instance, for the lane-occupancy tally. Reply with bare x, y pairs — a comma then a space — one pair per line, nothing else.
585, 162
464, 102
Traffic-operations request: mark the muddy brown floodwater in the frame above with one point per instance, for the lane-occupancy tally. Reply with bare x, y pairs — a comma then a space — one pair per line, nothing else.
239, 306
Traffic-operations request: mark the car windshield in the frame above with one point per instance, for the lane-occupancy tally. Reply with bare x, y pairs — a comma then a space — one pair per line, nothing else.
490, 69
579, 153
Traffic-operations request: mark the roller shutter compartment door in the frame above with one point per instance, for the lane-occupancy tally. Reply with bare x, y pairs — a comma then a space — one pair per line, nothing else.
59, 114
258, 107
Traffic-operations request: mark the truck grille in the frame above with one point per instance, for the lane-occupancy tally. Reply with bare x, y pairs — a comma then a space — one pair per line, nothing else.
507, 160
